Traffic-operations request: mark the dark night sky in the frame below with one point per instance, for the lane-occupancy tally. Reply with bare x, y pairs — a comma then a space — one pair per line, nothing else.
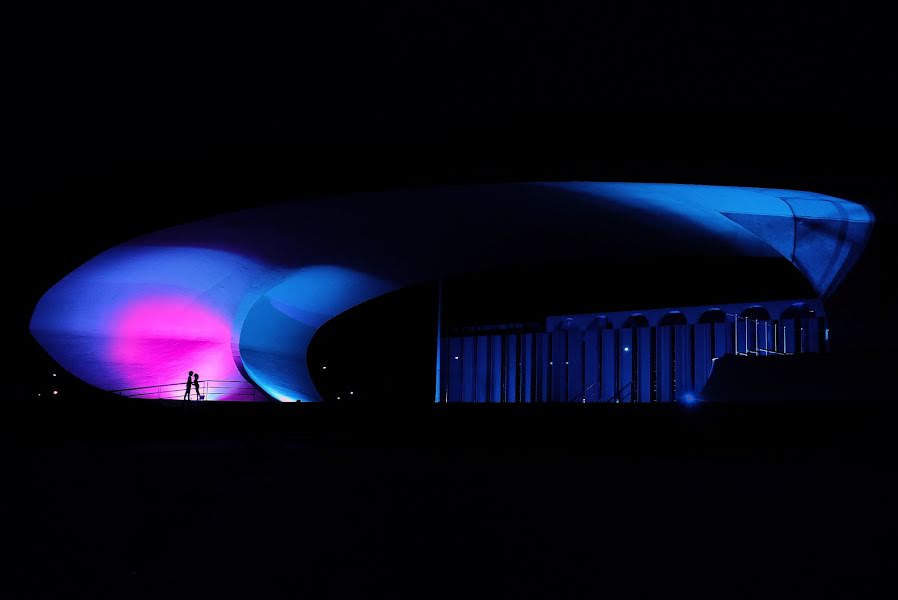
126, 122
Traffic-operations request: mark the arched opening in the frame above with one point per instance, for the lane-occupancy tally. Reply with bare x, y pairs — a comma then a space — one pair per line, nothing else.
795, 322
756, 313
603, 322
798, 310
713, 315
636, 320
674, 317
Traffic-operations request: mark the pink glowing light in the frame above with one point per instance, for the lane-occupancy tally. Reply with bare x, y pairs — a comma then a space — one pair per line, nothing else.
157, 340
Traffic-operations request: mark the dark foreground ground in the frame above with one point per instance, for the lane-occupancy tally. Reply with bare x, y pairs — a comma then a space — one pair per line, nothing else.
113, 499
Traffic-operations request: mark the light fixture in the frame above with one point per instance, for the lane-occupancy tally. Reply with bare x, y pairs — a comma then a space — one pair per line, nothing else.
626, 348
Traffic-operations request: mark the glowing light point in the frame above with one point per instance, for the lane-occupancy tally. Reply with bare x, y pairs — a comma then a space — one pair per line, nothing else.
55, 392
626, 348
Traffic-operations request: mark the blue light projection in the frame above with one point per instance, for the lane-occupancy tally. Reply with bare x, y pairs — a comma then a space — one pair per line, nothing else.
821, 235
278, 328
240, 295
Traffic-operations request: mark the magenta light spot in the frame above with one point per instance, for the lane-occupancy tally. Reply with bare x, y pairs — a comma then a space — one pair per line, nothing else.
157, 340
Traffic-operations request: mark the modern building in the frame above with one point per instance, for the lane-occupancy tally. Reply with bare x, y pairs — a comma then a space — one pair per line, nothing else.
532, 292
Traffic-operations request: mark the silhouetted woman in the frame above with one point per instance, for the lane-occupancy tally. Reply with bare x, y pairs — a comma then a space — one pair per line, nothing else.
196, 384
187, 391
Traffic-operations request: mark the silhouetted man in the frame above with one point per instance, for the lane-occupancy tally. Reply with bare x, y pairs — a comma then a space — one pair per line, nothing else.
187, 391
196, 384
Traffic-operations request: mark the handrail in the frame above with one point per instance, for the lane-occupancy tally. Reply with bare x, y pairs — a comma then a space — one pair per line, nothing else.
617, 396
232, 389
585, 394
758, 349
181, 383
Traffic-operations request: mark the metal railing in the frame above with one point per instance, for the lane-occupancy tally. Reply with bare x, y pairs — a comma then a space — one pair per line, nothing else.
622, 393
585, 394
618, 396
210, 389
756, 337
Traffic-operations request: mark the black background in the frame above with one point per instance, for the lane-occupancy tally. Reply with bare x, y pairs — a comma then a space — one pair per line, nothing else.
123, 121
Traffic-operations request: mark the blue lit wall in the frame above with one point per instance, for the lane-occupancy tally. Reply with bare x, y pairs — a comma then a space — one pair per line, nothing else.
238, 296
649, 355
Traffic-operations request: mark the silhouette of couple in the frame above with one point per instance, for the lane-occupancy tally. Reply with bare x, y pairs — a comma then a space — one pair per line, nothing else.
194, 380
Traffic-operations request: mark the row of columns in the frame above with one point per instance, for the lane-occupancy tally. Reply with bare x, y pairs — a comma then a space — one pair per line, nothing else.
661, 363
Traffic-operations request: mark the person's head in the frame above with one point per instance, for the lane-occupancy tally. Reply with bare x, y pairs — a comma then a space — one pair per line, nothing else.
196, 375
190, 374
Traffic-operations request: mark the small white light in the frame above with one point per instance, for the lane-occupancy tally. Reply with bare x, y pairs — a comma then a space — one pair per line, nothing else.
351, 393
324, 368
566, 362
626, 348
338, 397
38, 395
54, 374
55, 392
456, 358
551, 363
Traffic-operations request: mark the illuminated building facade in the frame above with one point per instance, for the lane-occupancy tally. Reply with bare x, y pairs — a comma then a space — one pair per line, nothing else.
595, 291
